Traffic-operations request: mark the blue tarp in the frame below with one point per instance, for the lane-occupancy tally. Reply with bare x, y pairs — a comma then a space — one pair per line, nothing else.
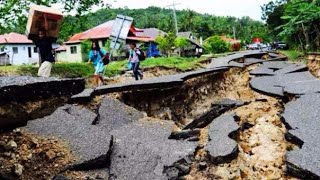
152, 50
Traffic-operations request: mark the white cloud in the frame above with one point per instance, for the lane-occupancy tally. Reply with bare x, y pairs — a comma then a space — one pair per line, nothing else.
237, 8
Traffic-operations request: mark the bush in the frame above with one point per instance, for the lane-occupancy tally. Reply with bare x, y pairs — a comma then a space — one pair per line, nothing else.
215, 44
235, 47
85, 49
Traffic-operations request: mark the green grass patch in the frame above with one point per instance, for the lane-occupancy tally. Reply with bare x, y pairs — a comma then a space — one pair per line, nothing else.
63, 70
292, 55
84, 70
180, 63
116, 68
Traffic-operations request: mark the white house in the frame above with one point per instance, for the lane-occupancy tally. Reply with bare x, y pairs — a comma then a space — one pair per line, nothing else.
20, 49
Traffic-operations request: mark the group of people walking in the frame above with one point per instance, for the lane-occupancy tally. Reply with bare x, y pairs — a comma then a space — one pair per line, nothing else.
97, 56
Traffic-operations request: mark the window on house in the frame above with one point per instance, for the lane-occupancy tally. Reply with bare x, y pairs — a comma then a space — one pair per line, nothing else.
2, 49
35, 49
15, 50
73, 49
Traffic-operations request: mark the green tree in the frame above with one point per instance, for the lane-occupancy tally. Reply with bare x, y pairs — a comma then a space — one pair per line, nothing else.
166, 43
302, 19
215, 44
181, 43
85, 49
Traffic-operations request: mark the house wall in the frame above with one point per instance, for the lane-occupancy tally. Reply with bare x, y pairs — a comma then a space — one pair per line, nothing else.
70, 57
22, 56
62, 56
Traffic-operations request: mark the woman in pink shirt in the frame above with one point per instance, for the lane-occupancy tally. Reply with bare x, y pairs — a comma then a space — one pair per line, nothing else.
134, 59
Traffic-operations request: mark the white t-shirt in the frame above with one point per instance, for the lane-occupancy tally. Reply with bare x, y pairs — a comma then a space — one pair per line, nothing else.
133, 55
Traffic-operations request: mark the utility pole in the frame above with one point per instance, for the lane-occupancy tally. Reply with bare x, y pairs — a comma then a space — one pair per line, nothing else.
173, 5
234, 33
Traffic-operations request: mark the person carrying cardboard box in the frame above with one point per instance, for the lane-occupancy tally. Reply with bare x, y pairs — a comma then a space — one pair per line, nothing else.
43, 29
44, 43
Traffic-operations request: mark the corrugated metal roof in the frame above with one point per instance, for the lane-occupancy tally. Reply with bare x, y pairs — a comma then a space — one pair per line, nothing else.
14, 38
104, 31
139, 38
61, 48
151, 32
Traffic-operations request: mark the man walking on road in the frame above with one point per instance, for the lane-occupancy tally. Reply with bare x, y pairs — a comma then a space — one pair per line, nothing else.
44, 43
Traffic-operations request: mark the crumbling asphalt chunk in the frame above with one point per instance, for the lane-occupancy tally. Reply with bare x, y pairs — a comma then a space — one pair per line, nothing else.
221, 147
143, 151
186, 135
73, 124
152, 83
217, 109
275, 85
224, 61
276, 65
267, 85
302, 116
24, 89
262, 71
83, 97
292, 68
305, 87
250, 61
114, 114
24, 98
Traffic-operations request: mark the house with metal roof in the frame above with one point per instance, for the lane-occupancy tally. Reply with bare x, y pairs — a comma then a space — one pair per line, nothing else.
18, 49
72, 51
195, 49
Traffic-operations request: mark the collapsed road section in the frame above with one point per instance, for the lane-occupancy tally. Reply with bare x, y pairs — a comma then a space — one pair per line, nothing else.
228, 121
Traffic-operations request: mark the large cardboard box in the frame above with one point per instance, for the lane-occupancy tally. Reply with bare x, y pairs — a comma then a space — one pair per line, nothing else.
36, 21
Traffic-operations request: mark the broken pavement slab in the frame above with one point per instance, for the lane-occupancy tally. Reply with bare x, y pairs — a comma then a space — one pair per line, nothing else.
83, 97
25, 88
152, 83
224, 61
305, 87
72, 124
262, 71
275, 85
25, 98
250, 61
275, 65
221, 147
302, 115
143, 151
113, 114
292, 68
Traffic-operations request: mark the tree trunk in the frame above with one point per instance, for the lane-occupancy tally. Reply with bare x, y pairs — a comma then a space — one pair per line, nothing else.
301, 43
305, 36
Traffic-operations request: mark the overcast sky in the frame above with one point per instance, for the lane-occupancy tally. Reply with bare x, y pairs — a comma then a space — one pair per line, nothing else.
237, 8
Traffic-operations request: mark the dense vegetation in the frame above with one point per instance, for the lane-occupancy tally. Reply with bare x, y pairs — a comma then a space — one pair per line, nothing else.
295, 21
203, 25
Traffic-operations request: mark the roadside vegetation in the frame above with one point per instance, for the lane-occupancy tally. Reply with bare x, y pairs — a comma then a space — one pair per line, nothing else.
84, 70
293, 55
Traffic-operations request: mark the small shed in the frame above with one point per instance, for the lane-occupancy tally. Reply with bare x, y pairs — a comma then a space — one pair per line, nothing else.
4, 59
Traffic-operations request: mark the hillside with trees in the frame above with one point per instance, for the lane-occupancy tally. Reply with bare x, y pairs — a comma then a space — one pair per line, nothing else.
203, 25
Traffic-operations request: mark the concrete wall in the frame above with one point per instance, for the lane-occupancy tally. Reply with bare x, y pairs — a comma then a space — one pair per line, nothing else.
22, 56
67, 56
